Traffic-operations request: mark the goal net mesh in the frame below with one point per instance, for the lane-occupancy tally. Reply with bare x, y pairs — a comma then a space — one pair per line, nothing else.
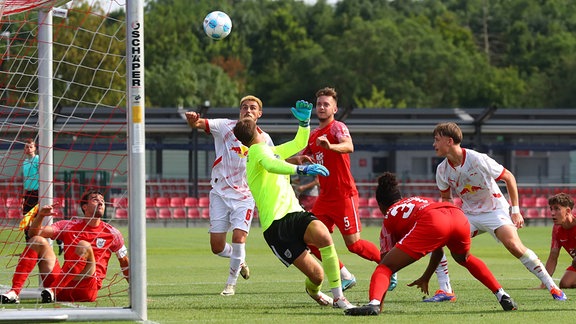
88, 118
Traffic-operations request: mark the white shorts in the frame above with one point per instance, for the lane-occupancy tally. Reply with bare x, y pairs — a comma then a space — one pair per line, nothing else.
489, 222
229, 214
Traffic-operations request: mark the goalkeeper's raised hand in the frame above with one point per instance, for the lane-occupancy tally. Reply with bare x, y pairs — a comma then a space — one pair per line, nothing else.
302, 112
312, 169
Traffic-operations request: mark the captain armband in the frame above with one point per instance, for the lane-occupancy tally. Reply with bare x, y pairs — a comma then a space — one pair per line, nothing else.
123, 252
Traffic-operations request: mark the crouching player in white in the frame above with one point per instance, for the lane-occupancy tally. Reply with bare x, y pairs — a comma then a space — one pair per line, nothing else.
287, 228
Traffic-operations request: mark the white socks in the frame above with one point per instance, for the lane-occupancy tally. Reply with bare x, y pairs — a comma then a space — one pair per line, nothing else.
531, 261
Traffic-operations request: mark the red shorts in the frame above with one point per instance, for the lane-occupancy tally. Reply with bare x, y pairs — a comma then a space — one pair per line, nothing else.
571, 268
436, 228
343, 213
66, 288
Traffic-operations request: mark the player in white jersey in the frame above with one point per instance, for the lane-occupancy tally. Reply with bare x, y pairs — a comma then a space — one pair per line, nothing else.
472, 176
231, 203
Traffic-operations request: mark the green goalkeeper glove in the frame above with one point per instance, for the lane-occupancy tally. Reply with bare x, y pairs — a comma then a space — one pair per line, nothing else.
302, 112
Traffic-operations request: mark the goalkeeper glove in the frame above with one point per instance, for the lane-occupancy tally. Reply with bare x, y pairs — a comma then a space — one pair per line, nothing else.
302, 112
312, 169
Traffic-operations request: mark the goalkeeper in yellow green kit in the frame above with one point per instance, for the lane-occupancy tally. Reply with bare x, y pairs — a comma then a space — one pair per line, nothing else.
288, 229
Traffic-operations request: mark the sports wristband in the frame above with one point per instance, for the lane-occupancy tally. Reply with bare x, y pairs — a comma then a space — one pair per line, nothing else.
515, 210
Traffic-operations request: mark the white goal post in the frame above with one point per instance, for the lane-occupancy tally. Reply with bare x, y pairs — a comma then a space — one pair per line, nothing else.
47, 112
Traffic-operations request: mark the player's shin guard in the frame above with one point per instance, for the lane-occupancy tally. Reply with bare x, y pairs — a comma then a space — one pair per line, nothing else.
314, 250
379, 282
330, 265
480, 271
236, 258
365, 249
443, 275
331, 269
25, 266
531, 261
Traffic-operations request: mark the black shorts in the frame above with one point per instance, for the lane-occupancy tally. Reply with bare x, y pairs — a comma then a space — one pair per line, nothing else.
30, 200
286, 236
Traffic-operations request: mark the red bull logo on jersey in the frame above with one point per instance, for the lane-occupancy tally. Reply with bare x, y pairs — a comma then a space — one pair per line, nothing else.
242, 151
469, 189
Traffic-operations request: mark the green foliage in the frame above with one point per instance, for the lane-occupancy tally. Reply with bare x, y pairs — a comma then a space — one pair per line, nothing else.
439, 53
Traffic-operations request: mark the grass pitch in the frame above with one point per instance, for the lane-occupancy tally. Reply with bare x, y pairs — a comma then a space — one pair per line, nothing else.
185, 279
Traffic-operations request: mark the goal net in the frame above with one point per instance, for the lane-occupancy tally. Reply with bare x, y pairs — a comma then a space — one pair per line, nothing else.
71, 81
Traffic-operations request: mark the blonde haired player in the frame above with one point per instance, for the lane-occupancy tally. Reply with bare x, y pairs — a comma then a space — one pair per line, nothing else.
231, 203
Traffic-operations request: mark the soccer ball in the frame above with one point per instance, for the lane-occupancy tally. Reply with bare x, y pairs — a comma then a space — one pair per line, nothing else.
217, 25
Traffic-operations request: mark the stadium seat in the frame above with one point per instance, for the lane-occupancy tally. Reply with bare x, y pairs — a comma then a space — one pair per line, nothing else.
176, 202
120, 213
3, 213
528, 201
151, 213
120, 202
205, 213
150, 202
193, 213
372, 202
12, 202
203, 202
15, 213
541, 202
179, 213
164, 213
532, 213
364, 212
190, 202
162, 202
376, 213
362, 202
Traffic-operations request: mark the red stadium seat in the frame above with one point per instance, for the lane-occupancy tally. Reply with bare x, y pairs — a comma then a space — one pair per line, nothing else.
3, 213
532, 213
362, 202
376, 213
372, 202
190, 202
120, 213
193, 213
12, 202
364, 212
151, 213
150, 202
164, 213
120, 202
15, 213
179, 213
205, 213
541, 202
203, 202
162, 202
528, 201
176, 202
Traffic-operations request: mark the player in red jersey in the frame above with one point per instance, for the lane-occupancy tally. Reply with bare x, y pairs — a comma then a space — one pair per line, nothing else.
563, 236
88, 245
337, 203
414, 227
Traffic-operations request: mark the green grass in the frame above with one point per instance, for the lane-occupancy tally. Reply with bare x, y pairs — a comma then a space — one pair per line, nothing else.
185, 279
